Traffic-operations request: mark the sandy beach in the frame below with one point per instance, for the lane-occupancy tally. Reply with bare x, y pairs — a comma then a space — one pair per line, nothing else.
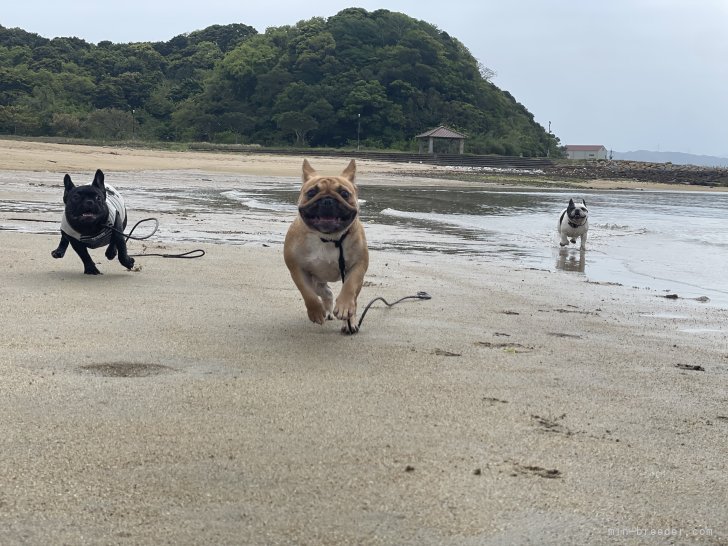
192, 402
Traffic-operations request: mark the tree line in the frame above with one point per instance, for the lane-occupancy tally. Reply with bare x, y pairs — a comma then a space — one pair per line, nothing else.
375, 79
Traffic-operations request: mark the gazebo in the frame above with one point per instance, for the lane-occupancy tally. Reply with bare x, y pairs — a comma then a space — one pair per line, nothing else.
440, 132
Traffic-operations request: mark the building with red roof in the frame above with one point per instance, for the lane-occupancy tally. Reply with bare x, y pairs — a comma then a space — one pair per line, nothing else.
583, 151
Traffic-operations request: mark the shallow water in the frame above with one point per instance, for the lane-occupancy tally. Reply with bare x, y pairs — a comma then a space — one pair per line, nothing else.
667, 241
664, 241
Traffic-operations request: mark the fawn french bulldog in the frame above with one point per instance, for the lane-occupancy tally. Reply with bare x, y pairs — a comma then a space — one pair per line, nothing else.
326, 243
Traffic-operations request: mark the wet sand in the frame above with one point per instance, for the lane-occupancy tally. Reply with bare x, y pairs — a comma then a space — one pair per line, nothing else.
192, 401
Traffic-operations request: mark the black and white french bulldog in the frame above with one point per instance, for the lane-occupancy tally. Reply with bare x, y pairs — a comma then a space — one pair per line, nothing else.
574, 223
90, 214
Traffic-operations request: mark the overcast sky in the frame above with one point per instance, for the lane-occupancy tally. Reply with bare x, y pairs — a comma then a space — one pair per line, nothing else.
628, 74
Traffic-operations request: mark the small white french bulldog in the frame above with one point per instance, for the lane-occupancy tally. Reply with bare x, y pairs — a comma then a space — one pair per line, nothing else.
574, 223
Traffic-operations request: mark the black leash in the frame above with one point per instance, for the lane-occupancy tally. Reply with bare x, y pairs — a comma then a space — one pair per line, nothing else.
419, 296
197, 253
338, 243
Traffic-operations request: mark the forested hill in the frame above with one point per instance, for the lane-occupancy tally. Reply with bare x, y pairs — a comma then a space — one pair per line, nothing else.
316, 83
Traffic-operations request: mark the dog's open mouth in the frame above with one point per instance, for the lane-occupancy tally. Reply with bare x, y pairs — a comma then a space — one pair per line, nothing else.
87, 217
327, 216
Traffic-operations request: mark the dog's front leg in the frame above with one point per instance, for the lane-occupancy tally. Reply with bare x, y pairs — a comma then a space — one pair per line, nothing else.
564, 239
345, 308
305, 284
111, 250
327, 298
583, 242
89, 267
118, 242
60, 252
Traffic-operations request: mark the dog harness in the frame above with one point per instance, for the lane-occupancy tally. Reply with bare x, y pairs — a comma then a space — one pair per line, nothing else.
338, 243
115, 204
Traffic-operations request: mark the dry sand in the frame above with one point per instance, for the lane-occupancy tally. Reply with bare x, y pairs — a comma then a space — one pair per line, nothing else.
62, 158
193, 403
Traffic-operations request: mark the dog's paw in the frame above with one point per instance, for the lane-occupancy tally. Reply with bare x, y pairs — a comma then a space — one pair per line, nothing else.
110, 252
316, 312
129, 263
91, 271
58, 253
350, 327
345, 309
573, 241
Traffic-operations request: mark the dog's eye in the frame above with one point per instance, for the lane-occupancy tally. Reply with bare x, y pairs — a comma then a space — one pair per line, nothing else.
345, 194
312, 193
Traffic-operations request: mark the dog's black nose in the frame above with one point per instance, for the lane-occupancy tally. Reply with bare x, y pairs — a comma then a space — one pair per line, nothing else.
327, 204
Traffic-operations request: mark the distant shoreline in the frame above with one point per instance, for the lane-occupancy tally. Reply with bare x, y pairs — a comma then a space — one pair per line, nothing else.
33, 155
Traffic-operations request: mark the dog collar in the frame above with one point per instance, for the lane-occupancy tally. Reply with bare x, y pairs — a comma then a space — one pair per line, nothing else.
338, 243
574, 224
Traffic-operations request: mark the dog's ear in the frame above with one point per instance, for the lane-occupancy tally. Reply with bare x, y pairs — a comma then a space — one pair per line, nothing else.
571, 204
99, 181
583, 202
350, 172
67, 187
308, 171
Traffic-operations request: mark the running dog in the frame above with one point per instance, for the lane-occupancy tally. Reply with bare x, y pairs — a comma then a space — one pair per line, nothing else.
326, 243
94, 216
573, 223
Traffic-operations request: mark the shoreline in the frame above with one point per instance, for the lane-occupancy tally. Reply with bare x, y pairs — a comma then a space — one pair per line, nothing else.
192, 400
21, 155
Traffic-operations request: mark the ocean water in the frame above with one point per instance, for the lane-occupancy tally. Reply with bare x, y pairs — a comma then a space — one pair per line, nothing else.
670, 242
666, 241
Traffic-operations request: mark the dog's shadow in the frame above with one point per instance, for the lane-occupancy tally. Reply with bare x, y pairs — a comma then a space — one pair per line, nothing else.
571, 259
75, 277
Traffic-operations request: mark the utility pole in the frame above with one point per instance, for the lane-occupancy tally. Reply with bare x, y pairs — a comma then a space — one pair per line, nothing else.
548, 144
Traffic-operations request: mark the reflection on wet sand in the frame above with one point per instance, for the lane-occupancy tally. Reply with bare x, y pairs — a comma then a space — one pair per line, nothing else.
571, 259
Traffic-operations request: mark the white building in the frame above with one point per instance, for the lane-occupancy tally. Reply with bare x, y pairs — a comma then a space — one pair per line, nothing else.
579, 151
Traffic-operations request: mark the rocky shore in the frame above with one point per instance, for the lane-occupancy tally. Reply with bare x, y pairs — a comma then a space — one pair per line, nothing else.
664, 173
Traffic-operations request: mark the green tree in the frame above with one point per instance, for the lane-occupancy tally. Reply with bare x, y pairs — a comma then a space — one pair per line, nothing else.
297, 123
110, 124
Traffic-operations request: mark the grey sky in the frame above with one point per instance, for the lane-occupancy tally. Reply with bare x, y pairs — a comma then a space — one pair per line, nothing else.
629, 74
